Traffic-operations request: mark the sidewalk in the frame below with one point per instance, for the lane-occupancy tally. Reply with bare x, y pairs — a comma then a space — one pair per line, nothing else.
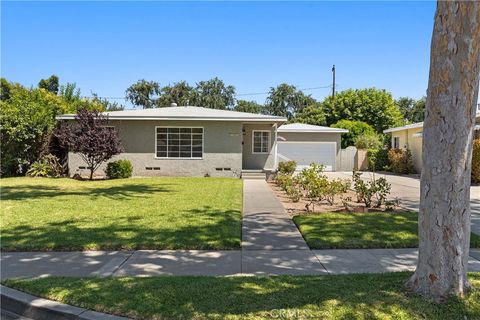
212, 263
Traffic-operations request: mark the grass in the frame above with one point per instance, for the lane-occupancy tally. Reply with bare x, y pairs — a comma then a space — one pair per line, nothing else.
361, 296
362, 230
138, 213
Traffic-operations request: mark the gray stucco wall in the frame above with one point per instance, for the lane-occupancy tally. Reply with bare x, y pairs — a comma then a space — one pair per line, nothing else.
258, 161
316, 137
222, 149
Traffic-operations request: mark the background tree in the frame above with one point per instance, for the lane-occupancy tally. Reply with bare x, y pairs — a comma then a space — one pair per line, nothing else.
286, 101
214, 94
313, 114
248, 106
106, 104
143, 93
180, 93
69, 92
444, 218
90, 137
50, 84
4, 89
413, 110
355, 129
373, 106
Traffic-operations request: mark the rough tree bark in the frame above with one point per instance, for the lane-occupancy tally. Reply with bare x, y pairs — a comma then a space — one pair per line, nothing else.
444, 218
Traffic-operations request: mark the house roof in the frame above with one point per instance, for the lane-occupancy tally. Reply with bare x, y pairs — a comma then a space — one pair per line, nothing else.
184, 113
302, 127
420, 125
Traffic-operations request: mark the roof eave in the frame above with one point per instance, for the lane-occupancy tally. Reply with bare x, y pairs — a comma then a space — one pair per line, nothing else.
279, 119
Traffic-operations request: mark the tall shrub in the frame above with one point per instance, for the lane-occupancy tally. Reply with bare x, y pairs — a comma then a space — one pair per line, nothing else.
401, 161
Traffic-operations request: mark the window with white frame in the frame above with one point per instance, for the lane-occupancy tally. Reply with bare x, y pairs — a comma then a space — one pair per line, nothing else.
261, 141
179, 142
396, 142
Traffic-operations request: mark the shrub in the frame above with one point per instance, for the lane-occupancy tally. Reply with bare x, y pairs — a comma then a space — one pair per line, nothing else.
119, 169
378, 159
476, 161
401, 161
365, 191
47, 166
368, 141
287, 167
355, 129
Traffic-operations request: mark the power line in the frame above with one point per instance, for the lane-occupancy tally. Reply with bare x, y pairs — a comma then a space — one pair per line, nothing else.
237, 95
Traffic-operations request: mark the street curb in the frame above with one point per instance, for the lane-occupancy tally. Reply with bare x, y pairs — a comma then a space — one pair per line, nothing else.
37, 308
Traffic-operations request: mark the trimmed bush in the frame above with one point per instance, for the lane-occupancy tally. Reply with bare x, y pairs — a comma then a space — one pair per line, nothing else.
401, 161
119, 169
476, 161
378, 159
287, 167
367, 141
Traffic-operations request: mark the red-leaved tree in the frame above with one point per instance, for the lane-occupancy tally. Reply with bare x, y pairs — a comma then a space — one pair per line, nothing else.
91, 137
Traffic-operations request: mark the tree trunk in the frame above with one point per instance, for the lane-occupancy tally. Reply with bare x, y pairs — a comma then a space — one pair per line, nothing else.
444, 218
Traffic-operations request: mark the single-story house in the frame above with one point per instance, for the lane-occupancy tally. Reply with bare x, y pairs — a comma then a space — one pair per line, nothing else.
196, 141
410, 137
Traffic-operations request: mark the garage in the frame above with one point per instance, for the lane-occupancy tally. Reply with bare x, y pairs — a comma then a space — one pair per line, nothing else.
308, 144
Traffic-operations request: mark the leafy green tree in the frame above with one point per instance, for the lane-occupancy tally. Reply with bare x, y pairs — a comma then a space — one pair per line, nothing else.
27, 120
50, 84
180, 93
373, 106
214, 94
355, 129
4, 89
69, 92
286, 101
107, 105
311, 115
248, 106
143, 93
368, 141
412, 110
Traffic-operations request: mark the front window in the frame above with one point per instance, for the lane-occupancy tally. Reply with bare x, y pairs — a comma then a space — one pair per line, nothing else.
396, 142
179, 142
261, 141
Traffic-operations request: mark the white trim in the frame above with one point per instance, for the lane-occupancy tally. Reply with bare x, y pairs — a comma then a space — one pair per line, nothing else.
180, 158
269, 142
275, 164
110, 117
408, 126
393, 142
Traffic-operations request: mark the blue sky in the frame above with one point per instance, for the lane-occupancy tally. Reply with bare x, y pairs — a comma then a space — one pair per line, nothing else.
106, 46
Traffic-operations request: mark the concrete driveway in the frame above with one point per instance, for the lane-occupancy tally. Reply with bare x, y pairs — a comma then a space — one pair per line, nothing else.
407, 189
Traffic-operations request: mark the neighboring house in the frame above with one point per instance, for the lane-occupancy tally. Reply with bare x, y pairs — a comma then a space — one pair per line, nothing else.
195, 141
410, 137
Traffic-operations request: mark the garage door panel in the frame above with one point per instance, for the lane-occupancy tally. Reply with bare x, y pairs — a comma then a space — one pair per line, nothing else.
305, 153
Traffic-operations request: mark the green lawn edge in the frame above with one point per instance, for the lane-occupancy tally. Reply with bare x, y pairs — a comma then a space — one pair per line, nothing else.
374, 230
357, 296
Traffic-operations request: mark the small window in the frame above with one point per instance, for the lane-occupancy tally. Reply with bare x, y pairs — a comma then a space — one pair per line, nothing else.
261, 141
396, 142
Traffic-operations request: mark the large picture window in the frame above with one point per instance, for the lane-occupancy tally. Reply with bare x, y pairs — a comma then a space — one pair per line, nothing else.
261, 141
179, 142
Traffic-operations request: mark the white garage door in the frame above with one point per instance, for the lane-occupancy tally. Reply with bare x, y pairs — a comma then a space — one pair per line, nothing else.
305, 153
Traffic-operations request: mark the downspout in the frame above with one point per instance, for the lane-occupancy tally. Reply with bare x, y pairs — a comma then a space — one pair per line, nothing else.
275, 157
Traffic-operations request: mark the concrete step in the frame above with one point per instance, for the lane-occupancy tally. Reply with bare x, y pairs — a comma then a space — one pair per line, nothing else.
254, 174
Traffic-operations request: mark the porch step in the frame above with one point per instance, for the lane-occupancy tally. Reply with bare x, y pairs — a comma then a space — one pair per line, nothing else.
254, 174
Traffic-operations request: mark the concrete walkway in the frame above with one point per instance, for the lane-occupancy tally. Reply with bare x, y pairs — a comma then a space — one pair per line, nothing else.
266, 226
213, 263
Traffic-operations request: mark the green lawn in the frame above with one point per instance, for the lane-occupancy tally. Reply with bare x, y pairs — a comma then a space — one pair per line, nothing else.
362, 230
361, 296
136, 213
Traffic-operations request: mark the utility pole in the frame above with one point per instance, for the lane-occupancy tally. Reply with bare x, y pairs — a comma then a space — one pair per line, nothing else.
333, 86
